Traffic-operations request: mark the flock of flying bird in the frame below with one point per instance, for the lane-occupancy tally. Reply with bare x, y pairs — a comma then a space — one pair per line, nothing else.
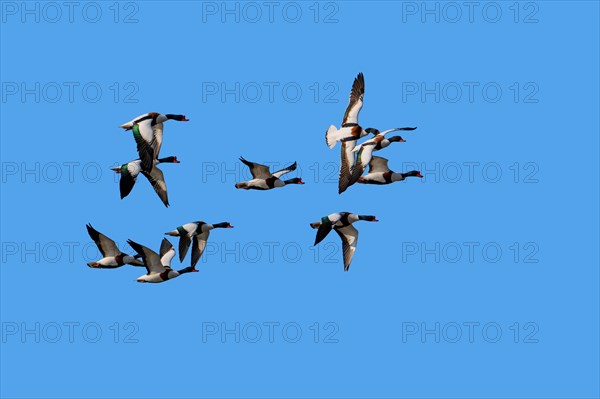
354, 159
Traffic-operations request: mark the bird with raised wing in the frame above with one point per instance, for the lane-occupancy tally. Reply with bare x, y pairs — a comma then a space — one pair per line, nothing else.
158, 267
341, 222
130, 171
263, 179
365, 150
195, 233
380, 173
148, 134
349, 132
112, 257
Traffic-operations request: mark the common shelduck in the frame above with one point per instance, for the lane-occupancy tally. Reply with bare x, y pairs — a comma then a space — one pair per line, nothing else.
197, 232
148, 134
263, 179
341, 222
112, 257
131, 170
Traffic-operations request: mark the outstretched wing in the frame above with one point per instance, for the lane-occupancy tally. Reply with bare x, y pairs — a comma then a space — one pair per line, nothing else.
157, 179
349, 236
346, 164
129, 125
283, 171
106, 246
157, 131
356, 100
378, 164
167, 252
325, 226
129, 174
258, 171
198, 247
143, 133
150, 258
324, 230
362, 160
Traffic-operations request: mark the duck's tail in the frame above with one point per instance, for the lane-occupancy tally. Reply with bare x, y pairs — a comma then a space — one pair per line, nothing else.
332, 136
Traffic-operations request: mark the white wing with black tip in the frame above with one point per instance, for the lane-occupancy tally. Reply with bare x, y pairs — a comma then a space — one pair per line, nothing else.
349, 236
285, 170
356, 100
158, 139
167, 252
106, 246
150, 258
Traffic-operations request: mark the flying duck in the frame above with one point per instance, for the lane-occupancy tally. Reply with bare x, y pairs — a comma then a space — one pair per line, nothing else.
349, 132
148, 134
262, 179
112, 257
342, 224
350, 129
365, 150
379, 173
131, 170
197, 232
158, 267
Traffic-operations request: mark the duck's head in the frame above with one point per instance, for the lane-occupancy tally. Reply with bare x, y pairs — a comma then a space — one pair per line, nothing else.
372, 130
94, 264
223, 225
117, 169
413, 173
315, 225
175, 117
172, 159
368, 218
295, 180
243, 185
361, 180
398, 139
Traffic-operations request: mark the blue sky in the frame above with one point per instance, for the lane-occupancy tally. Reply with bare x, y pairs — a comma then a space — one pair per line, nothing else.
480, 280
